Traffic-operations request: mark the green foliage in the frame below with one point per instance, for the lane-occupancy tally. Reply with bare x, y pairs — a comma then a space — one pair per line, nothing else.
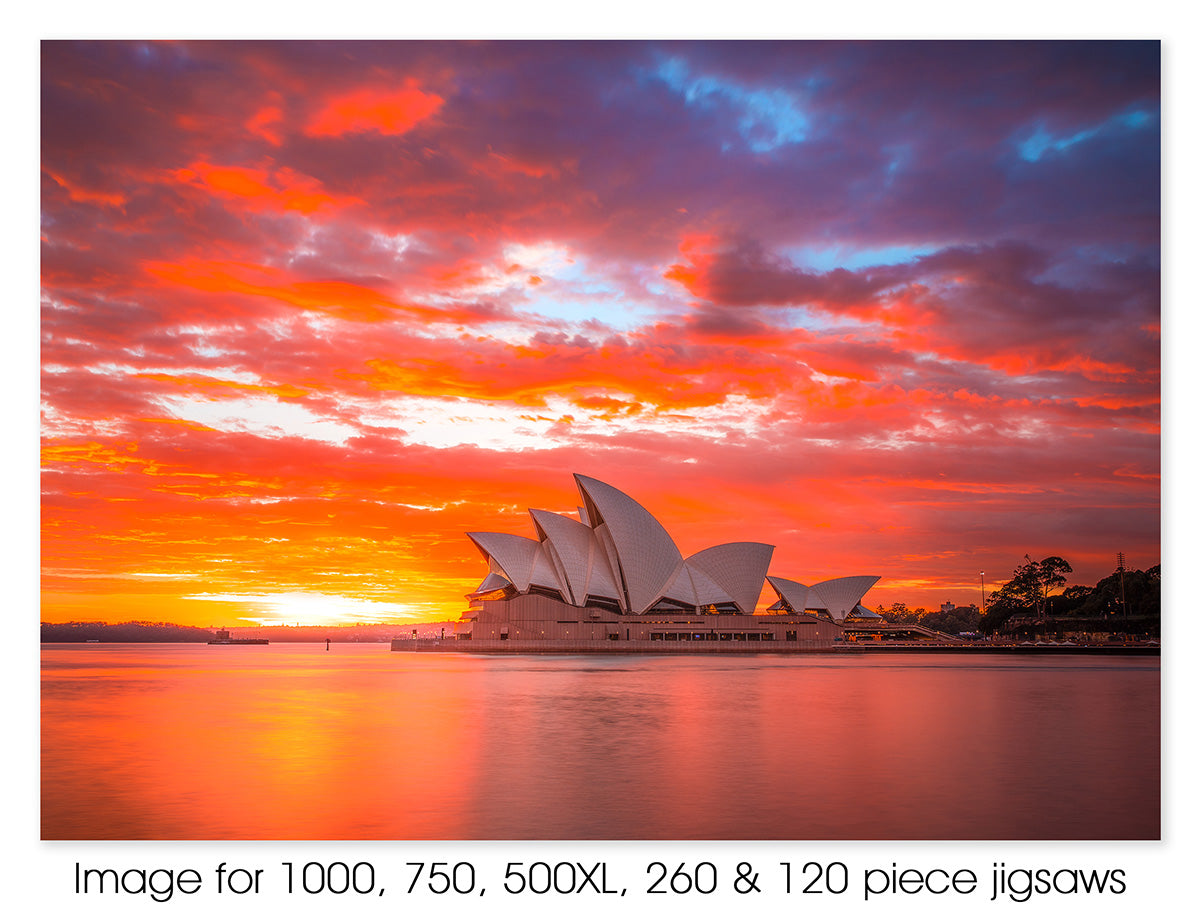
900, 613
1027, 592
959, 620
130, 631
1142, 594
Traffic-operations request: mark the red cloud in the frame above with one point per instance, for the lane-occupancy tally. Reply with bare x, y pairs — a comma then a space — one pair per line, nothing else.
390, 112
81, 194
264, 124
278, 189
338, 298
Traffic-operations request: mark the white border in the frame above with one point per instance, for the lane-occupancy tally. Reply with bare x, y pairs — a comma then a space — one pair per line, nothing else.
39, 875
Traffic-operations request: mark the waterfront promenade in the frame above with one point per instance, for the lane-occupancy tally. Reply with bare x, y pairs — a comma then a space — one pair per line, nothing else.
704, 647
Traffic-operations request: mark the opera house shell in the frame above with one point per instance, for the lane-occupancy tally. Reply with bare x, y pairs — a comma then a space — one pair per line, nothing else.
615, 575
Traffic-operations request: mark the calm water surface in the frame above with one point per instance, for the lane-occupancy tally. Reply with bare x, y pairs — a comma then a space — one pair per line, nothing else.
293, 742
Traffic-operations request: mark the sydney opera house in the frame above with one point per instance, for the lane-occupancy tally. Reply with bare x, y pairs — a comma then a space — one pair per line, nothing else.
614, 575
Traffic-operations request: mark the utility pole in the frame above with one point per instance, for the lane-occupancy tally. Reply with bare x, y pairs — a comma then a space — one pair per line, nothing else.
1121, 570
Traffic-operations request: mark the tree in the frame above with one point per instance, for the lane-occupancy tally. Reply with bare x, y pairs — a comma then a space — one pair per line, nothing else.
1051, 573
1142, 594
958, 620
1027, 592
900, 613
1071, 601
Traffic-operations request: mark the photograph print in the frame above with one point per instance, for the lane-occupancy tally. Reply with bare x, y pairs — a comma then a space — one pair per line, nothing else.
600, 440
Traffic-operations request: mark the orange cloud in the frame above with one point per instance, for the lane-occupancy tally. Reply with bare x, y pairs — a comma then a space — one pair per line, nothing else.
651, 374
225, 385
699, 249
109, 456
80, 194
337, 298
333, 297
388, 112
280, 190
264, 124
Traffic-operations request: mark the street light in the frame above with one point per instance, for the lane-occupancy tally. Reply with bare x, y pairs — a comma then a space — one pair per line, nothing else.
982, 599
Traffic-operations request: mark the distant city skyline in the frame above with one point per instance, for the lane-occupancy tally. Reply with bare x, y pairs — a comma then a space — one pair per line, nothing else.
311, 311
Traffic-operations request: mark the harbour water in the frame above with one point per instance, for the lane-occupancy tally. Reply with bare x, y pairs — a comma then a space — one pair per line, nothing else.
290, 741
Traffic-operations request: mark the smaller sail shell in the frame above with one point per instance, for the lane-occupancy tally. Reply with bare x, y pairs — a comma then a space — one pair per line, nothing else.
839, 596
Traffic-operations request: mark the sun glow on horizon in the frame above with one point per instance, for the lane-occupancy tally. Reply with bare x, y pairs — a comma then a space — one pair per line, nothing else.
313, 609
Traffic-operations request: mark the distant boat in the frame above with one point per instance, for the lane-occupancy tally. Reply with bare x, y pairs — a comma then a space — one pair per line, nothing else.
223, 639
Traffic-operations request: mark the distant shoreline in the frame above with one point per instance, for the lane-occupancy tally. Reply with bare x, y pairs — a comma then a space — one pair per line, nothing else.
158, 632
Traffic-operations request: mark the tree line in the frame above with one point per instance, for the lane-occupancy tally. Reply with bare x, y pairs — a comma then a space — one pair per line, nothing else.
952, 621
1128, 593
1123, 593
130, 631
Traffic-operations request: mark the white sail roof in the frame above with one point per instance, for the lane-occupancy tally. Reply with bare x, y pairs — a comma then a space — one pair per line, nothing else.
514, 554
544, 573
692, 586
619, 551
794, 594
571, 544
492, 582
646, 555
738, 568
607, 551
839, 596
862, 612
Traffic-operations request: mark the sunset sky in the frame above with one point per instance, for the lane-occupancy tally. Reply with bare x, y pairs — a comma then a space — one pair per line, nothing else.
311, 311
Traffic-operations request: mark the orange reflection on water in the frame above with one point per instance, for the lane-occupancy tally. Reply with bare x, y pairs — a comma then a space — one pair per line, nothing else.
293, 742
250, 743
